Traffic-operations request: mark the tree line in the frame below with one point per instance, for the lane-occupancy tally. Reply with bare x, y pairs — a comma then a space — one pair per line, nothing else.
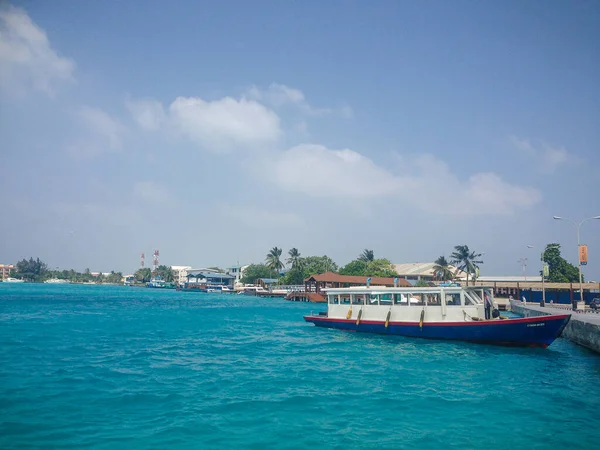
35, 270
301, 267
163, 272
462, 260
365, 265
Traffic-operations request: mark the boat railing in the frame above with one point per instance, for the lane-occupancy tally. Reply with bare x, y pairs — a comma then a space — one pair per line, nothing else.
289, 288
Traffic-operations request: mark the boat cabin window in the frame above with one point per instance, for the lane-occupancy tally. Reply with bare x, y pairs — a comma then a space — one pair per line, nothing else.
417, 299
453, 299
333, 299
345, 299
433, 299
400, 299
373, 299
406, 299
358, 299
471, 298
385, 299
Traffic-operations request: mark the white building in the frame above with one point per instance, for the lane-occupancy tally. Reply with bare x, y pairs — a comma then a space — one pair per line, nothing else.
180, 274
236, 271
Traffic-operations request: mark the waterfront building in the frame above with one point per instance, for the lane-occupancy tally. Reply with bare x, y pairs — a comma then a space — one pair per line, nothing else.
5, 271
236, 271
532, 290
180, 274
314, 285
202, 279
266, 283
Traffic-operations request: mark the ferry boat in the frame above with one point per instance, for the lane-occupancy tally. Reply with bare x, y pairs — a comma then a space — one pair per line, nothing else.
442, 312
158, 283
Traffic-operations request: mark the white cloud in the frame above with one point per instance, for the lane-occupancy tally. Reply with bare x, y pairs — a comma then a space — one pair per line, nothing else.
425, 182
320, 172
547, 157
225, 124
149, 191
260, 218
26, 53
279, 95
103, 125
148, 113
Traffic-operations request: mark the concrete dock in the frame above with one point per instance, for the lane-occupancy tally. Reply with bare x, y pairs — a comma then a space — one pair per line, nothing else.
583, 328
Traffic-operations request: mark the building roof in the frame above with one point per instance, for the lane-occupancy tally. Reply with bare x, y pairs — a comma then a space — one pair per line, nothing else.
212, 275
423, 269
330, 277
204, 269
519, 278
268, 280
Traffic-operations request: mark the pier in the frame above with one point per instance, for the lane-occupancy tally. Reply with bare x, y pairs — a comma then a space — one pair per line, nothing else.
583, 328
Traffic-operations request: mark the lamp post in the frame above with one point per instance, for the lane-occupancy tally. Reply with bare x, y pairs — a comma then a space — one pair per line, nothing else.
577, 227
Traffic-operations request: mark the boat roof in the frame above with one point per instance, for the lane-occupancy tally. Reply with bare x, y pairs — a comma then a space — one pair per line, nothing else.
388, 290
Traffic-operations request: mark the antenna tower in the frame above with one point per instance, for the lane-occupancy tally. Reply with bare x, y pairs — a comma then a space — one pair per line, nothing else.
155, 262
142, 261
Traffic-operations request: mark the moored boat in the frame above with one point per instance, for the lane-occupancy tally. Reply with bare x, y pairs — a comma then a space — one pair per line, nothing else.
13, 280
158, 283
450, 313
57, 281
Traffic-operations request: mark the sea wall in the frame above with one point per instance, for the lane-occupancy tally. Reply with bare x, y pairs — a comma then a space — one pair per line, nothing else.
583, 329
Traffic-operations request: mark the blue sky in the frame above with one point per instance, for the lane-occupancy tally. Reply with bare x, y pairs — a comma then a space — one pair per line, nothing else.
214, 131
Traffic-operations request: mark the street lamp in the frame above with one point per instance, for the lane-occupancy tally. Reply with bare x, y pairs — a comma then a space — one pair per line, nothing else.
577, 227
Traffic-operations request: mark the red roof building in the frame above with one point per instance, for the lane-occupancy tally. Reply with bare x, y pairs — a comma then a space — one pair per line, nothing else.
315, 283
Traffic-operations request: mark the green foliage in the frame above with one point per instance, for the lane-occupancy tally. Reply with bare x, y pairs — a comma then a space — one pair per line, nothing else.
442, 269
165, 273
355, 268
367, 255
256, 271
143, 275
560, 271
422, 283
381, 267
273, 260
305, 267
294, 257
296, 275
37, 271
466, 260
31, 270
114, 277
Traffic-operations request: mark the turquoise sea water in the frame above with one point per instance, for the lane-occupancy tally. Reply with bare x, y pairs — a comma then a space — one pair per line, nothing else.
115, 367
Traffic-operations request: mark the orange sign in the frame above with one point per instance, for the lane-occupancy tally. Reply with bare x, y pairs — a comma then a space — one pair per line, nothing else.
583, 254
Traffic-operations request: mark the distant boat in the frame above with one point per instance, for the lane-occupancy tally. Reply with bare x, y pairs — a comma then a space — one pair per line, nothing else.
57, 281
158, 282
13, 280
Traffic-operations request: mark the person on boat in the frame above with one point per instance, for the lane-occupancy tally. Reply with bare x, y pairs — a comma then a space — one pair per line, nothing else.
488, 306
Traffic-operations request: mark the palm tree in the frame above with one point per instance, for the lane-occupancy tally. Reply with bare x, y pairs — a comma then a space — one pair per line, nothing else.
442, 269
273, 259
367, 256
466, 260
294, 258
